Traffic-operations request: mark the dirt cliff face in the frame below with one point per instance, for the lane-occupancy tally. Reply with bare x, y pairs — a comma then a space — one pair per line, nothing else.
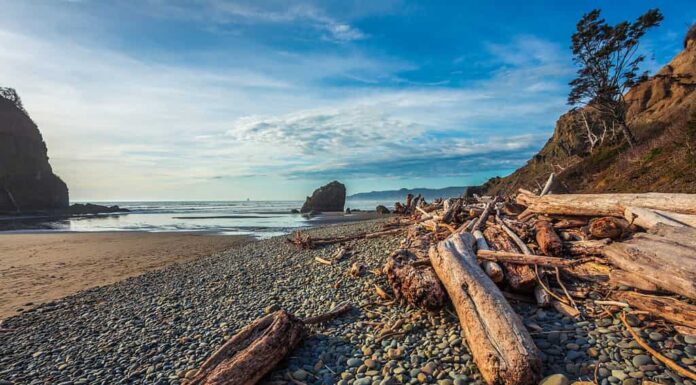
27, 182
662, 114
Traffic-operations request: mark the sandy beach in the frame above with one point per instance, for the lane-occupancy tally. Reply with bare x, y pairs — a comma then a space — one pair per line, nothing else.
40, 267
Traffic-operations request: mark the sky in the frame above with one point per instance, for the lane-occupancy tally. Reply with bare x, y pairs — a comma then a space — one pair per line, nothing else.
226, 100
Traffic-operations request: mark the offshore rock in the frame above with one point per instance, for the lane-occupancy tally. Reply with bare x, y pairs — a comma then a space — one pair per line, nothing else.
331, 197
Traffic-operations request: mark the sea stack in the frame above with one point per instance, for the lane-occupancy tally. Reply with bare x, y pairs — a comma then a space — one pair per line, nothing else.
331, 197
27, 182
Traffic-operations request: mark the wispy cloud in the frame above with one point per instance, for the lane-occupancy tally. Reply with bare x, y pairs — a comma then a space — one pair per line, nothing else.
226, 12
122, 125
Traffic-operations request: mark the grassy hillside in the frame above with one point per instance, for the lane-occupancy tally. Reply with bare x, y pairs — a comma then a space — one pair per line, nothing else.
662, 114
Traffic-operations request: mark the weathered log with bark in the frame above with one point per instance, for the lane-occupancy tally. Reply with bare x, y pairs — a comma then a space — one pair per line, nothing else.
500, 344
546, 237
672, 310
520, 277
256, 349
414, 282
660, 260
606, 204
608, 227
251, 353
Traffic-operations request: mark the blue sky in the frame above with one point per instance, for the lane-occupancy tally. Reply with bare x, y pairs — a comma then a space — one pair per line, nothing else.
216, 99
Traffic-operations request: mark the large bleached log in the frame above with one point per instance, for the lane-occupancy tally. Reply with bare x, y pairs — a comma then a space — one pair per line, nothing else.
546, 237
500, 344
606, 204
669, 265
520, 277
682, 235
413, 282
672, 310
648, 218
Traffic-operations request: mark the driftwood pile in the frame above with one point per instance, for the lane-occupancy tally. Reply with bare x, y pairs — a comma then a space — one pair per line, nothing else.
548, 249
481, 253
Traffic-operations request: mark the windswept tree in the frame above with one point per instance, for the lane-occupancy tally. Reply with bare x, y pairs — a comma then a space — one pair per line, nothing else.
609, 64
11, 95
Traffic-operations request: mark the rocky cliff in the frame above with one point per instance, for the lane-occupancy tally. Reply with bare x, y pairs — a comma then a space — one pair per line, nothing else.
662, 114
27, 182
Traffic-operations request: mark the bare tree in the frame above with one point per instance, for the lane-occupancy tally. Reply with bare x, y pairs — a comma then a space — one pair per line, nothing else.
609, 64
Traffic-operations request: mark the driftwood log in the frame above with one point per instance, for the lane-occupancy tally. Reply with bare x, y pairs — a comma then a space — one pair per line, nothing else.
500, 344
608, 227
591, 247
526, 259
606, 204
256, 349
307, 242
682, 235
648, 218
620, 277
520, 277
659, 260
414, 281
546, 237
672, 310
492, 269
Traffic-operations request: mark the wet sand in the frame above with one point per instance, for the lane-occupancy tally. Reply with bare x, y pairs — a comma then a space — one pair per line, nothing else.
40, 267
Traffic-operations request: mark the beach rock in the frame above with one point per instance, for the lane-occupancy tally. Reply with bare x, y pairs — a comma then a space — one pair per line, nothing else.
331, 197
555, 379
89, 208
27, 182
382, 209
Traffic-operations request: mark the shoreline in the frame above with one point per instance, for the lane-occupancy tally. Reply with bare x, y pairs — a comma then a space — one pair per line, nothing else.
41, 266
160, 326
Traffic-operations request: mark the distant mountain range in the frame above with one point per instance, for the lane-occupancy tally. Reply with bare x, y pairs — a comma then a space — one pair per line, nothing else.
399, 195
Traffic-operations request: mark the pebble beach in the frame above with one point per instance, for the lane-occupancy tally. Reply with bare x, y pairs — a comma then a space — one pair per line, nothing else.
157, 328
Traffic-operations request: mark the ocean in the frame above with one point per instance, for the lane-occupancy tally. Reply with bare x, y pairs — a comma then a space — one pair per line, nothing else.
258, 218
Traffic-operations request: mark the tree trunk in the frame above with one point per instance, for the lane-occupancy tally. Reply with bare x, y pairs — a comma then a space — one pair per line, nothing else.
500, 344
606, 204
667, 264
416, 283
628, 134
672, 310
546, 237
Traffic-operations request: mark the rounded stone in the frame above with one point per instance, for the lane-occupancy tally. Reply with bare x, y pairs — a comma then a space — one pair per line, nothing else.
555, 379
640, 360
